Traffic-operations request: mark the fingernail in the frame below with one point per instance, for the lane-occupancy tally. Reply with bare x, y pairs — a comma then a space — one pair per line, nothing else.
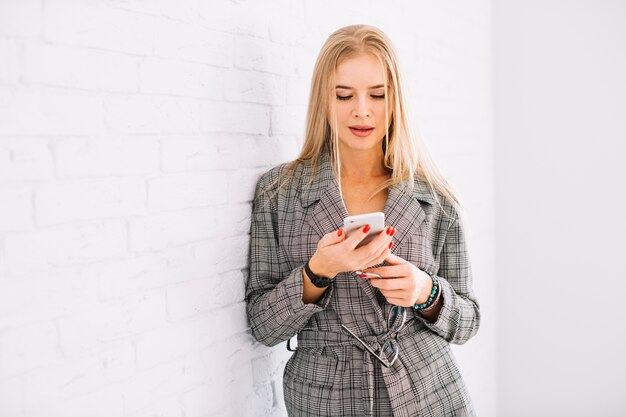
366, 228
388, 230
362, 275
390, 245
393, 232
339, 232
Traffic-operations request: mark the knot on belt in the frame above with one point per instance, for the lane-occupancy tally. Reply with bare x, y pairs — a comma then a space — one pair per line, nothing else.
316, 339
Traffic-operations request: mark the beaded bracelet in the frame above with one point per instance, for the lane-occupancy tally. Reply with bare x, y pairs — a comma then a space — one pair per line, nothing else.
434, 294
432, 306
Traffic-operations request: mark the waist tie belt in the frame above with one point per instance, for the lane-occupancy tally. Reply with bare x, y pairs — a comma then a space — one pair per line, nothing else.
316, 339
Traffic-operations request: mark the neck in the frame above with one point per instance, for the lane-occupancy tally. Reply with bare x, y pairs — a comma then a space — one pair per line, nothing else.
362, 165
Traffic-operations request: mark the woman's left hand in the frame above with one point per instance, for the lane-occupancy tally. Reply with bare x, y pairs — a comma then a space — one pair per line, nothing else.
403, 284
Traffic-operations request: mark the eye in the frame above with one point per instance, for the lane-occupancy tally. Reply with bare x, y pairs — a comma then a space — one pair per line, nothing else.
349, 97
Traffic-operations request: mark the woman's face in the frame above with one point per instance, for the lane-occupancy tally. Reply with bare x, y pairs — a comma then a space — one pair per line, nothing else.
359, 101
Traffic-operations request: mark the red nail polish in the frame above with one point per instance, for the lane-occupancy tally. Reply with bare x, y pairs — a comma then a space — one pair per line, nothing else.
390, 245
393, 232
339, 232
366, 228
388, 231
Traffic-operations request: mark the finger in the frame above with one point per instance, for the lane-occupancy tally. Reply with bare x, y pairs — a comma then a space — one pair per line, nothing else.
366, 275
379, 241
333, 237
394, 259
356, 236
369, 262
376, 261
339, 234
389, 283
370, 255
392, 271
376, 258
394, 293
385, 242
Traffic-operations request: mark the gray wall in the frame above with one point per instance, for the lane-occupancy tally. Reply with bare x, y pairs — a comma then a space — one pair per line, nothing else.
560, 84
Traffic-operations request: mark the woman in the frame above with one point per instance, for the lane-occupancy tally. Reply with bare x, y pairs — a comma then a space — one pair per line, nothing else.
366, 346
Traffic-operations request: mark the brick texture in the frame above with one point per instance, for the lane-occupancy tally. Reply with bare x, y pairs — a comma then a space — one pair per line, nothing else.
132, 134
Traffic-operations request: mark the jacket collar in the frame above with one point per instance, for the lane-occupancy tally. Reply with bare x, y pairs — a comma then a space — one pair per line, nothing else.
325, 177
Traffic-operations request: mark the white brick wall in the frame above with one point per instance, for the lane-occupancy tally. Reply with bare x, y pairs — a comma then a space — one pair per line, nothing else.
132, 134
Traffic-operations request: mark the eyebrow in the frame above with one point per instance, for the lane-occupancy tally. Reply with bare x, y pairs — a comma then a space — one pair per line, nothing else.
345, 87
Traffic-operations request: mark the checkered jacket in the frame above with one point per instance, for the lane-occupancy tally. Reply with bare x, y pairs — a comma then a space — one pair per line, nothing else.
330, 373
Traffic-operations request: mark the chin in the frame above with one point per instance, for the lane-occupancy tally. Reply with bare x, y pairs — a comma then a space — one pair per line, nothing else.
357, 143
364, 143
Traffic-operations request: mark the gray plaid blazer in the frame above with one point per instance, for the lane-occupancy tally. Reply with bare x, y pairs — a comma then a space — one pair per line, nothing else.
330, 373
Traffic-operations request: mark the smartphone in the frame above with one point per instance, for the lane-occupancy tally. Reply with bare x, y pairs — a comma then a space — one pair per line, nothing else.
376, 220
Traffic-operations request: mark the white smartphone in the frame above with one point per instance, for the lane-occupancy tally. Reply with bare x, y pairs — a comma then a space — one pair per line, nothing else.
376, 220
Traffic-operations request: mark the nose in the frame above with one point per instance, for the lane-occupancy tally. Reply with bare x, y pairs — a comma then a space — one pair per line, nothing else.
362, 108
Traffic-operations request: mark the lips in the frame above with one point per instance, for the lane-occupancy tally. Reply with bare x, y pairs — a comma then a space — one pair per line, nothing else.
361, 132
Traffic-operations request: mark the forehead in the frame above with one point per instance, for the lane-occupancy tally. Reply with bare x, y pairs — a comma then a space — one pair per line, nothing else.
361, 71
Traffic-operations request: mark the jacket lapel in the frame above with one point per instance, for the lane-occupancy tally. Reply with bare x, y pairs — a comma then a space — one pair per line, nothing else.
403, 210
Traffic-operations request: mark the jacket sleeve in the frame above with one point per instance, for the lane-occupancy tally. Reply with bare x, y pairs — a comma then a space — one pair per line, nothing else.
459, 317
274, 303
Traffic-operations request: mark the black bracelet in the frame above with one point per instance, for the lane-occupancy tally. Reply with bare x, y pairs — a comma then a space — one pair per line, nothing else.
319, 282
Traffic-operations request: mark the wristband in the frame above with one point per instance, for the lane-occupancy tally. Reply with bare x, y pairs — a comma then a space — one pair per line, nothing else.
434, 294
319, 282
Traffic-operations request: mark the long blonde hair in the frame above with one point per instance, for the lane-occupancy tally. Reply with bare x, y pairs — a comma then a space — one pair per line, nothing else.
405, 154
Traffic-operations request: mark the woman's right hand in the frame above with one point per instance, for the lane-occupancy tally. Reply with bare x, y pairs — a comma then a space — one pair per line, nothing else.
337, 253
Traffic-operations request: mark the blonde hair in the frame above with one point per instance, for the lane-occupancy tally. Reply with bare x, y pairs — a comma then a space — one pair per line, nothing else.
405, 154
